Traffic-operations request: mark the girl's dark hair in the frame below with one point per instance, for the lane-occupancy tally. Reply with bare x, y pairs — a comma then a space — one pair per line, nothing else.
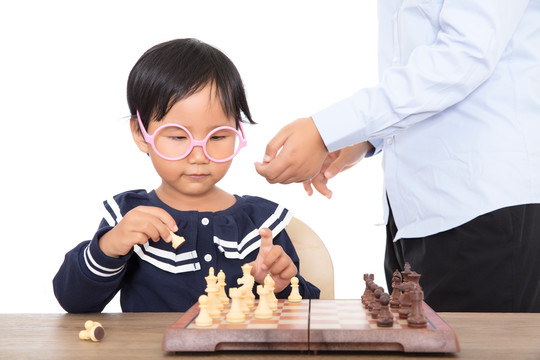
174, 70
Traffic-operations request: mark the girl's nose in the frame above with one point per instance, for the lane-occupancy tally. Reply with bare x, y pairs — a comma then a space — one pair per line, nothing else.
197, 156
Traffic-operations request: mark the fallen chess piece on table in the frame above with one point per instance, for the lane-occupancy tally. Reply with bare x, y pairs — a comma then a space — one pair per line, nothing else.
94, 331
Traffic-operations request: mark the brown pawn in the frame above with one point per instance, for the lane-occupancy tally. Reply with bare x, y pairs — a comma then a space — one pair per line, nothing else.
394, 299
372, 300
366, 290
385, 318
416, 317
377, 303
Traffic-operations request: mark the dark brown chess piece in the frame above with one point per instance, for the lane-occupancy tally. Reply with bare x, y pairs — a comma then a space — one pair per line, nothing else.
377, 302
414, 277
372, 299
396, 280
410, 282
404, 298
385, 318
407, 268
369, 295
416, 317
366, 291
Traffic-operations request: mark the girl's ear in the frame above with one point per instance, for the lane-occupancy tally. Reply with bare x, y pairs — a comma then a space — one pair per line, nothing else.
138, 137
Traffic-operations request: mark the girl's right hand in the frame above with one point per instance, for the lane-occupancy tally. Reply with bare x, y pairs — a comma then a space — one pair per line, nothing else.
137, 227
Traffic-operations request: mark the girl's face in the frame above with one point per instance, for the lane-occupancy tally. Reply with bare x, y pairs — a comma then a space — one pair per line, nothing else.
194, 176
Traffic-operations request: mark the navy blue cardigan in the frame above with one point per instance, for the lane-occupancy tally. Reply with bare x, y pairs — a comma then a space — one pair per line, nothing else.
157, 277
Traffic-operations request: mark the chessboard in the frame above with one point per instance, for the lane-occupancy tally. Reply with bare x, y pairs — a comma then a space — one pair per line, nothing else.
311, 325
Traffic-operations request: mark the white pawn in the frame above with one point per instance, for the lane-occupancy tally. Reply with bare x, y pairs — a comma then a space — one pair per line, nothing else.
204, 319
270, 284
263, 310
235, 314
294, 296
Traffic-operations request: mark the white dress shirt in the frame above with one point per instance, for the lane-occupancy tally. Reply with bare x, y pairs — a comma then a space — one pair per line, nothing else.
456, 113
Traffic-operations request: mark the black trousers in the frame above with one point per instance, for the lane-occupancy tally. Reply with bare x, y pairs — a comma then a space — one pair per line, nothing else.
490, 264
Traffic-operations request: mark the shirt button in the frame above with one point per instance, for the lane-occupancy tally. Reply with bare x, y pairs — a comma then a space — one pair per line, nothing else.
207, 257
389, 141
205, 221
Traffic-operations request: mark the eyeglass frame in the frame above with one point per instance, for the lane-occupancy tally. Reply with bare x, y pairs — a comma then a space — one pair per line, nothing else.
192, 142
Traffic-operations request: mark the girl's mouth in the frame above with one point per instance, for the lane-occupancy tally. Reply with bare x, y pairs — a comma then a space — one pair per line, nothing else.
197, 176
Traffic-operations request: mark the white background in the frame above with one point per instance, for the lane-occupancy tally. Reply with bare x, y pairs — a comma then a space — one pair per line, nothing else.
66, 144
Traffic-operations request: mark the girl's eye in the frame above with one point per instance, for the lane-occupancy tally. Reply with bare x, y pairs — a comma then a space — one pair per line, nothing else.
178, 138
217, 137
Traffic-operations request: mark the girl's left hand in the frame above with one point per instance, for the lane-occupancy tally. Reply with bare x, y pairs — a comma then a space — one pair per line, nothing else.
274, 261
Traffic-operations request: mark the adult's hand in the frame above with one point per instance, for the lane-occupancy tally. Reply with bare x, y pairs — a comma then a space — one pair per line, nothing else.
335, 163
295, 154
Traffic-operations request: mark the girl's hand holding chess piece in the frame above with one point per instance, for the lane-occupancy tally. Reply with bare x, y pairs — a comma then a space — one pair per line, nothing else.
136, 227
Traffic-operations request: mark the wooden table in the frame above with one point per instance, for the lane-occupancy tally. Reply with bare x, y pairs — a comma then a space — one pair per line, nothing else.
139, 335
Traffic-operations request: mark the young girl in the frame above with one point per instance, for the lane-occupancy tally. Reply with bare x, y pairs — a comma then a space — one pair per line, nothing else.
186, 100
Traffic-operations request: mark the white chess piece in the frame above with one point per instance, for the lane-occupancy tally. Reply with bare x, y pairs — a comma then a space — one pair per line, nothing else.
222, 295
263, 310
203, 319
235, 314
212, 291
247, 281
270, 284
295, 294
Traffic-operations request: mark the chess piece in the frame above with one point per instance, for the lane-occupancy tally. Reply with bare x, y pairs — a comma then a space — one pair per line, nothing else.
222, 295
377, 302
263, 310
176, 240
385, 318
366, 290
203, 319
414, 278
294, 296
244, 300
212, 291
93, 331
407, 268
369, 294
394, 299
372, 299
247, 281
410, 283
416, 317
270, 284
235, 314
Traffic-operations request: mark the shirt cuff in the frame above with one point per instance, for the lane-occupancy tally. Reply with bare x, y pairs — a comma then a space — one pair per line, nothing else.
377, 147
99, 266
339, 125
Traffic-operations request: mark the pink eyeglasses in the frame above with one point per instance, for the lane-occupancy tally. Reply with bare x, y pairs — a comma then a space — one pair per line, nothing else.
175, 142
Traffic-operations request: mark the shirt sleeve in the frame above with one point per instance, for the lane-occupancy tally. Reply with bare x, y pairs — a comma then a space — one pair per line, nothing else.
471, 39
88, 279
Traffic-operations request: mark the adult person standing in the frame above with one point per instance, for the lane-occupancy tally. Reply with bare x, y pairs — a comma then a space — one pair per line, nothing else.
457, 117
